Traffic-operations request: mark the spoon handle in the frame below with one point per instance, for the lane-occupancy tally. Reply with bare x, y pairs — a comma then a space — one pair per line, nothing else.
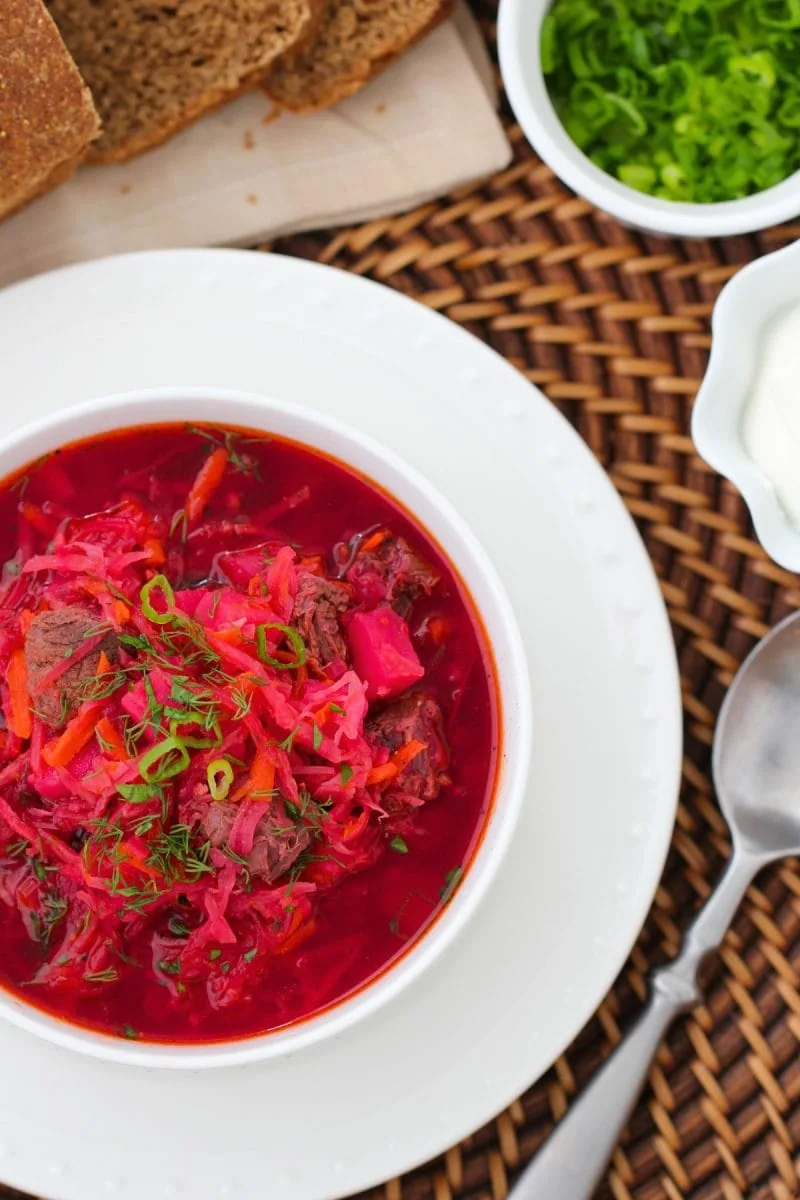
572, 1163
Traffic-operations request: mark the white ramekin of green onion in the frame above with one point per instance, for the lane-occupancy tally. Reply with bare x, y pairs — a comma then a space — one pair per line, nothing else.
680, 117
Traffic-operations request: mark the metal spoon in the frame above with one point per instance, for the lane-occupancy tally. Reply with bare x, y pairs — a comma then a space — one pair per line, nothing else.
756, 765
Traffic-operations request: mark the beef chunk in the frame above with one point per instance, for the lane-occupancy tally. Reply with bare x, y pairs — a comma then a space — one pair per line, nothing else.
277, 845
391, 572
316, 613
52, 637
275, 851
415, 717
218, 821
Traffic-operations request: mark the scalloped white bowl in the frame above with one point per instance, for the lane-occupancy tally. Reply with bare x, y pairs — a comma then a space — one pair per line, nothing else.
518, 29
747, 308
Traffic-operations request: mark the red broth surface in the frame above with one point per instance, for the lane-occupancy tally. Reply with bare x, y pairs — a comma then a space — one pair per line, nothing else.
123, 906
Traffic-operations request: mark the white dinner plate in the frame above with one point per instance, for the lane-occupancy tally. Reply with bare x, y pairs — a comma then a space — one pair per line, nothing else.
519, 984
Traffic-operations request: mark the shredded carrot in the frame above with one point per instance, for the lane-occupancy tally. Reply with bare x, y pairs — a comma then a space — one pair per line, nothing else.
20, 718
380, 774
95, 587
61, 750
26, 619
353, 828
314, 564
399, 760
438, 629
103, 665
284, 656
299, 930
208, 479
125, 853
300, 680
232, 636
373, 541
156, 551
260, 779
111, 740
40, 520
402, 757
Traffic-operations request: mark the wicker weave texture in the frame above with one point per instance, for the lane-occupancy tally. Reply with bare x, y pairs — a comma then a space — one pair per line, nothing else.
614, 327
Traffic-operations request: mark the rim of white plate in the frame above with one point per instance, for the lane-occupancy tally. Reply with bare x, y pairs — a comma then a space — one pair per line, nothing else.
435, 514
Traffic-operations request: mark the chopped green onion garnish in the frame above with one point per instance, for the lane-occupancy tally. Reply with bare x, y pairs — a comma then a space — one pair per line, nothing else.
159, 585
695, 100
177, 730
451, 882
292, 637
220, 778
163, 761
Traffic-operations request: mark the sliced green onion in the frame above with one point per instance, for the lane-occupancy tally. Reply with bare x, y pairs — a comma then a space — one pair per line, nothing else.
213, 738
136, 793
292, 637
638, 176
220, 777
698, 100
158, 585
779, 14
164, 761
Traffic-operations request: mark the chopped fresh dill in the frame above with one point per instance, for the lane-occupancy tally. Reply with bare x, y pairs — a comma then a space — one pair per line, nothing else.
109, 975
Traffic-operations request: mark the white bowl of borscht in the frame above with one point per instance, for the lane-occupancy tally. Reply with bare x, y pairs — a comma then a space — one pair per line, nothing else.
265, 728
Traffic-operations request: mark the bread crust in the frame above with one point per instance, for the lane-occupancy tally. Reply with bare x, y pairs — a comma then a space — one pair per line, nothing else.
57, 176
47, 118
349, 86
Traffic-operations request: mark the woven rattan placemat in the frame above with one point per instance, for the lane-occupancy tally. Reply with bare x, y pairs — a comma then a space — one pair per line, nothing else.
614, 327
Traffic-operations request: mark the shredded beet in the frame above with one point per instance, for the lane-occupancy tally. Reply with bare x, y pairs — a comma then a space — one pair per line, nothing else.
219, 757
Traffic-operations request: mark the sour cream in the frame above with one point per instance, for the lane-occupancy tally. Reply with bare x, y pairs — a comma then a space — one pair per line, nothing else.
771, 419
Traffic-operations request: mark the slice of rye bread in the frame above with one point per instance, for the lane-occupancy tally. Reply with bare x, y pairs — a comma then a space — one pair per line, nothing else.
155, 67
354, 41
47, 118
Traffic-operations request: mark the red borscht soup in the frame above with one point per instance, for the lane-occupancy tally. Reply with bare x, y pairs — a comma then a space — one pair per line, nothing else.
249, 733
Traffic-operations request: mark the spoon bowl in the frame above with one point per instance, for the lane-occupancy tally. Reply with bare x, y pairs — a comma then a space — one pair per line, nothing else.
757, 746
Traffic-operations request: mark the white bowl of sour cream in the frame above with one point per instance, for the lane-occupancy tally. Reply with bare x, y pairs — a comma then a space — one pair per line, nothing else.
746, 421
